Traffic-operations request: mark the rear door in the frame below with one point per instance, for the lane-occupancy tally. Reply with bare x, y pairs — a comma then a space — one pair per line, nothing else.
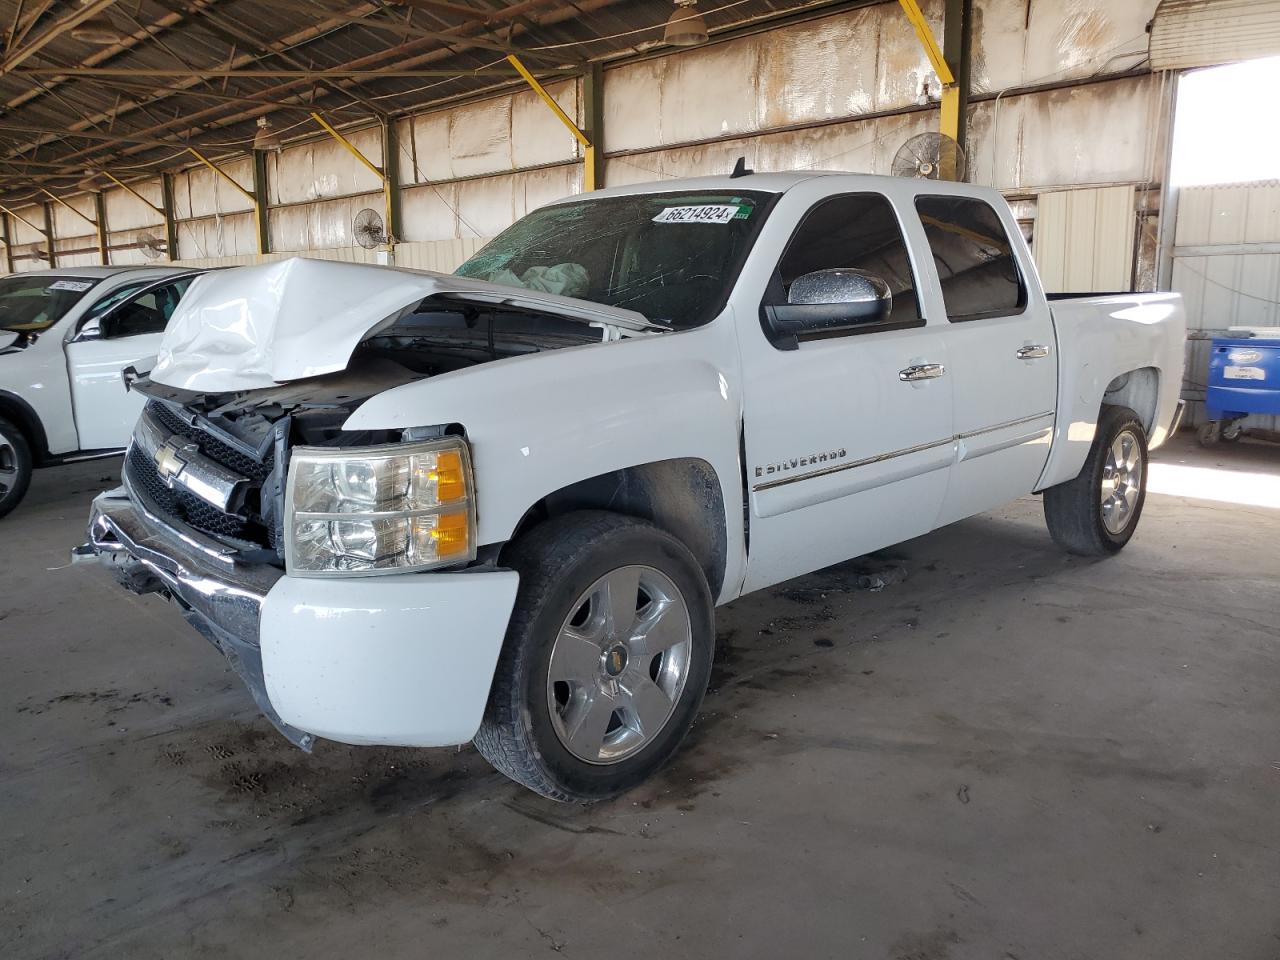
845, 451
126, 333
1000, 339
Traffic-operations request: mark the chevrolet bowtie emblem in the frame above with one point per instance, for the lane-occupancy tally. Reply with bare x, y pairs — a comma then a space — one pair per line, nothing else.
170, 461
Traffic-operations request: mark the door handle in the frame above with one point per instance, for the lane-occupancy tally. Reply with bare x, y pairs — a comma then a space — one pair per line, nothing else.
921, 371
1033, 352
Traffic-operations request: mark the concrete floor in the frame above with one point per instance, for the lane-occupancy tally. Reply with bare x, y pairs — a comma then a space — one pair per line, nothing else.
1004, 753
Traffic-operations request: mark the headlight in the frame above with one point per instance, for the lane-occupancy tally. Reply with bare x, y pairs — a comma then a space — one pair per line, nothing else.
389, 509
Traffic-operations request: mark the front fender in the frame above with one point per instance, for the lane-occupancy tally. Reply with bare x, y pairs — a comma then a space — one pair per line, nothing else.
540, 423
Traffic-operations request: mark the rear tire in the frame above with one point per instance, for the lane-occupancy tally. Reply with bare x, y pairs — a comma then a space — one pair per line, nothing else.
606, 659
15, 466
1095, 514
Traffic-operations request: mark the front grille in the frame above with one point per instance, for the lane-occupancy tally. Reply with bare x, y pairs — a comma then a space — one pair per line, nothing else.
211, 446
178, 504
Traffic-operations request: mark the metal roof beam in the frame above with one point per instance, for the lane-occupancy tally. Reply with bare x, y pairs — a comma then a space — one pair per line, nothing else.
29, 50
296, 74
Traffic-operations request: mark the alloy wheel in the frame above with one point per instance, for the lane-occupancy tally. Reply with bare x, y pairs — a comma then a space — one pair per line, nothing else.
1121, 482
619, 664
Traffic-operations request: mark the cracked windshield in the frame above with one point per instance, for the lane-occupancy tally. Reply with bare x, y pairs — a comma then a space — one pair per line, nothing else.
672, 257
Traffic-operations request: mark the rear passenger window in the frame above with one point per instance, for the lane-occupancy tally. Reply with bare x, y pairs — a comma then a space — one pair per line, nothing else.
860, 231
974, 257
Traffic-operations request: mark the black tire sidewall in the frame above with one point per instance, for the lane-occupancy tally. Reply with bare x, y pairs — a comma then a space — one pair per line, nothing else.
9, 499
1115, 421
633, 544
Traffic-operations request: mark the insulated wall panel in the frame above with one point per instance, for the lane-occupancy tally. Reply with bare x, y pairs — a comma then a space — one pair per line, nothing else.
486, 206
200, 192
491, 136
78, 252
227, 236
1094, 135
1020, 43
439, 256
322, 225
127, 212
866, 146
324, 168
862, 61
22, 225
430, 213
25, 258
76, 221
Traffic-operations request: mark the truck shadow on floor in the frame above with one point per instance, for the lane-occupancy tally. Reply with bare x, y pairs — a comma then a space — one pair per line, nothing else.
805, 632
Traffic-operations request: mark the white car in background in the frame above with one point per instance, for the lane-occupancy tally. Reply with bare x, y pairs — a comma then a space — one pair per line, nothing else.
65, 337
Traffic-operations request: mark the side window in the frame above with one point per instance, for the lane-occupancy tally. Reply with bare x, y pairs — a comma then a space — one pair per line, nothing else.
148, 313
975, 260
858, 231
111, 299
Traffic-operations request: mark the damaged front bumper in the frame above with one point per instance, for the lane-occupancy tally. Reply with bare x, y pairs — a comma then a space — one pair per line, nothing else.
219, 597
404, 660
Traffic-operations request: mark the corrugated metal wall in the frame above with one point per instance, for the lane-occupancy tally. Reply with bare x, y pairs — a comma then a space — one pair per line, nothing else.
837, 92
1084, 240
1200, 33
1227, 266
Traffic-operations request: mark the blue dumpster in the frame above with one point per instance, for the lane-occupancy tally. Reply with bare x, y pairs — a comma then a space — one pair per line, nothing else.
1244, 378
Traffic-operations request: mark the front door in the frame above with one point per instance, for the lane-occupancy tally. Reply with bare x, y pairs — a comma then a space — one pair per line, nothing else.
127, 333
1000, 340
848, 440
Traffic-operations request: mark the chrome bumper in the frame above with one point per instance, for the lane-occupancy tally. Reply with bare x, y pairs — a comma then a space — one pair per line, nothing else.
221, 598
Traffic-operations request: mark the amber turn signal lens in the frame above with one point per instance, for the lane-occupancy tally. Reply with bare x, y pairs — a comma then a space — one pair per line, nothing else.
449, 477
451, 535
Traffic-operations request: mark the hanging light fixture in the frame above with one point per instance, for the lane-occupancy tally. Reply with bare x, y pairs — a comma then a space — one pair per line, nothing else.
686, 28
96, 30
266, 138
90, 181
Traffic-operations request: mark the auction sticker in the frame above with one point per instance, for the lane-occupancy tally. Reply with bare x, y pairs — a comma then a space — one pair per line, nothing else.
703, 213
1244, 373
75, 286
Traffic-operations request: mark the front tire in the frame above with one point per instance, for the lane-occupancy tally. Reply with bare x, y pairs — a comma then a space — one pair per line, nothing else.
606, 659
1095, 514
15, 466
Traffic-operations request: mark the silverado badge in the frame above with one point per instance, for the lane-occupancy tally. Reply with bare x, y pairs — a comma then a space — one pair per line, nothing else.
797, 462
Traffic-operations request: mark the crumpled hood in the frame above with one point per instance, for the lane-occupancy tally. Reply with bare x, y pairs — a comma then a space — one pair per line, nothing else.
249, 328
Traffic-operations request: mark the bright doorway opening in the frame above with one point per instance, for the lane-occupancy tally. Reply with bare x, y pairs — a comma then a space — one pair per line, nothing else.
1224, 132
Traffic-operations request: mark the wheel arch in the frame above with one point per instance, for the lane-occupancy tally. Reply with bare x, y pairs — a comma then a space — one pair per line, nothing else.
1139, 390
20, 413
681, 496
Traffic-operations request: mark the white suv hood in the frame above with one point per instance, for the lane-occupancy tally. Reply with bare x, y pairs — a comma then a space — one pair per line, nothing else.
254, 327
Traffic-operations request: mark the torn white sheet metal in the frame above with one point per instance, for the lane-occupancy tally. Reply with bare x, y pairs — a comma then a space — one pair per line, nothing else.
254, 327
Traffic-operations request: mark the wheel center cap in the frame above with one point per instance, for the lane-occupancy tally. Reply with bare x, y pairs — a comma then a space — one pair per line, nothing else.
615, 660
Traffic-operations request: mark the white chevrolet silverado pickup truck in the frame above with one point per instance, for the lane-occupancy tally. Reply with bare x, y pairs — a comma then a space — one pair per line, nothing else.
65, 337
500, 506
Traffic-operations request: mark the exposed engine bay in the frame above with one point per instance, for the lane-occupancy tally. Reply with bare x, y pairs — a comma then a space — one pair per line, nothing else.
242, 439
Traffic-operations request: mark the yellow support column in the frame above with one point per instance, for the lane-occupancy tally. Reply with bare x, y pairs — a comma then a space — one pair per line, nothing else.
387, 200
258, 212
949, 123
590, 158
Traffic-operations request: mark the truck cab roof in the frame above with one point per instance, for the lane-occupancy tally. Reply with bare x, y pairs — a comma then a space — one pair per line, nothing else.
102, 272
780, 183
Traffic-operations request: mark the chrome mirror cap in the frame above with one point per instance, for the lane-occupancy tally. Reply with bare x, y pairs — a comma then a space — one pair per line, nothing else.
841, 285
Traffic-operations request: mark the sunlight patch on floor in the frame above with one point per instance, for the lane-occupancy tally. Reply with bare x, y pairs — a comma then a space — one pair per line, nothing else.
1210, 483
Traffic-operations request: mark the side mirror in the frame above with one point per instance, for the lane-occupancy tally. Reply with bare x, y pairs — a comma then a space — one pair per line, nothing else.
91, 330
829, 302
